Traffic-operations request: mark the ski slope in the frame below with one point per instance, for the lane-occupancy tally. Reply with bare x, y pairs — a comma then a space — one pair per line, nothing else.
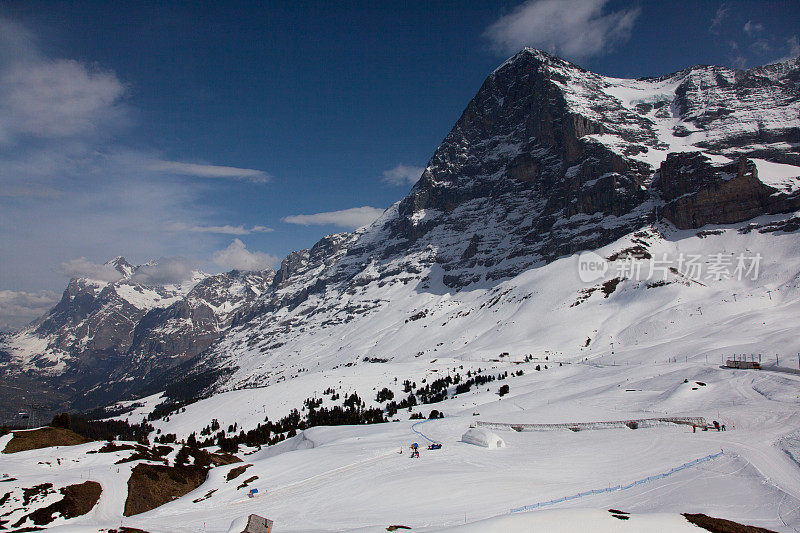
354, 478
653, 351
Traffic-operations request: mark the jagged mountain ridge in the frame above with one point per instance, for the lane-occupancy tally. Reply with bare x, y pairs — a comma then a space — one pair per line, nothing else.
104, 334
548, 159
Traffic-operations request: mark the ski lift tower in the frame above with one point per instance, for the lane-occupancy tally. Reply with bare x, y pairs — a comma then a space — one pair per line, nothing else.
32, 414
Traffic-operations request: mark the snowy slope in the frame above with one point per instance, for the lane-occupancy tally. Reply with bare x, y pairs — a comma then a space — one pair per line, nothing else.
353, 478
667, 340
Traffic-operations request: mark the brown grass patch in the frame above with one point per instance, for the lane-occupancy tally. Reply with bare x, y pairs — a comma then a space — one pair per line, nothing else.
219, 459
204, 458
610, 286
247, 482
720, 525
78, 500
152, 486
28, 495
236, 472
42, 438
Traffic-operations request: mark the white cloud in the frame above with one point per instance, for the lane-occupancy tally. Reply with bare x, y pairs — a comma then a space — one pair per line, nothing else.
70, 188
794, 48
237, 257
164, 271
719, 16
45, 98
761, 46
83, 268
352, 218
57, 99
19, 308
751, 28
575, 29
210, 171
226, 229
738, 61
402, 175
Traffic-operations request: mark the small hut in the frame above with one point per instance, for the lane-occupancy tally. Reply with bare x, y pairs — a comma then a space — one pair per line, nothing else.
258, 524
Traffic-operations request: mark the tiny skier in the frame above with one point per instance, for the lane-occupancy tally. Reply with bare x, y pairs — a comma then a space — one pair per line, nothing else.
415, 451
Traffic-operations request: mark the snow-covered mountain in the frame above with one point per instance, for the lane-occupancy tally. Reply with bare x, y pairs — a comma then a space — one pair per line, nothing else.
109, 337
547, 160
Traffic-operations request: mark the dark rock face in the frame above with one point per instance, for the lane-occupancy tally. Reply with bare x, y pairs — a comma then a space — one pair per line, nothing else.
697, 193
517, 162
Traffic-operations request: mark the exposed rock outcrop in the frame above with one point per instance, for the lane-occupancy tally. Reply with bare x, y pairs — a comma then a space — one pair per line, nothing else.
697, 192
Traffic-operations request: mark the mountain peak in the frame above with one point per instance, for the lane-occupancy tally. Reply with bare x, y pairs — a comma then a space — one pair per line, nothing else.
121, 265
534, 55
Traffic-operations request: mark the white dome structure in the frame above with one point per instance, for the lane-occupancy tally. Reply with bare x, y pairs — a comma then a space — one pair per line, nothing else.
483, 437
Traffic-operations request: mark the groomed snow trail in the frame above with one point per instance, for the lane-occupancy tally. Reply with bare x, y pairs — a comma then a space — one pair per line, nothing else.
615, 488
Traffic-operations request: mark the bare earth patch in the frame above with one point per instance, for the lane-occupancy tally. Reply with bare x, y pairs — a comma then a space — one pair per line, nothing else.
78, 500
236, 472
151, 486
720, 525
42, 438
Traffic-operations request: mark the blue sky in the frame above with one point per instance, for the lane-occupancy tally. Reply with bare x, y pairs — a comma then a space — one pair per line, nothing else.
226, 135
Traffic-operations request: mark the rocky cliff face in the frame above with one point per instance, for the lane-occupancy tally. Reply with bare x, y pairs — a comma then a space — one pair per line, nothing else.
113, 337
547, 159
697, 192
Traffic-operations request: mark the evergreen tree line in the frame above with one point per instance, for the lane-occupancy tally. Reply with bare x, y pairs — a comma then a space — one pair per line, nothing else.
351, 412
103, 429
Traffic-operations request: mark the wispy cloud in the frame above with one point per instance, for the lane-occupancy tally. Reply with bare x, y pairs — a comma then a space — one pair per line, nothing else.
793, 49
402, 175
29, 191
751, 28
69, 187
237, 257
352, 218
575, 29
19, 308
52, 98
210, 171
719, 17
164, 271
227, 229
83, 268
